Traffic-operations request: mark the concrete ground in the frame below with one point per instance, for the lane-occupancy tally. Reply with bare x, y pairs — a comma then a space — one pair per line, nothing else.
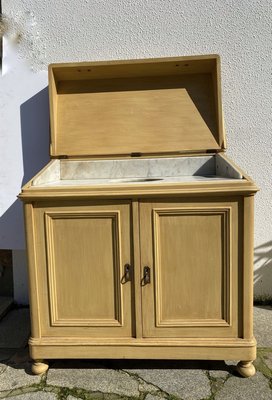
143, 380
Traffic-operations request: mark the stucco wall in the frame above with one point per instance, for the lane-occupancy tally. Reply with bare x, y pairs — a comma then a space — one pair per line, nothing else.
41, 32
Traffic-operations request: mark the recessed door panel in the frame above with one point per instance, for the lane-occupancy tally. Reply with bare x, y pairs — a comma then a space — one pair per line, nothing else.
84, 263
189, 249
87, 250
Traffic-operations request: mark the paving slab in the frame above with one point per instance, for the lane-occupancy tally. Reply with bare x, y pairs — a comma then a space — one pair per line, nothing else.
256, 387
146, 387
33, 396
219, 374
94, 380
268, 359
152, 397
188, 384
13, 377
262, 326
15, 329
94, 396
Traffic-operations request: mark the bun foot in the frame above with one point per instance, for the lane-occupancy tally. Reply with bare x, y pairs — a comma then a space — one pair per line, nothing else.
246, 368
39, 367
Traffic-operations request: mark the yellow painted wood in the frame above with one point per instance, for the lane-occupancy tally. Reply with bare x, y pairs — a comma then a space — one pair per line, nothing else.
139, 342
146, 106
198, 304
39, 367
198, 349
239, 186
81, 252
78, 269
137, 301
33, 283
191, 249
248, 263
133, 68
246, 369
53, 107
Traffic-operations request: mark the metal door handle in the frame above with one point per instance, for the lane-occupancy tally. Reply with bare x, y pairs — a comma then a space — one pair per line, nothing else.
146, 278
127, 273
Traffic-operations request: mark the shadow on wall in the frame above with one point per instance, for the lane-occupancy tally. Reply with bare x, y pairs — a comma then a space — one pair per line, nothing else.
34, 115
35, 133
263, 275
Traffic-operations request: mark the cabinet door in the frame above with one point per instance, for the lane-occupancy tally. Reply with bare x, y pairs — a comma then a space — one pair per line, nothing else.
82, 252
191, 249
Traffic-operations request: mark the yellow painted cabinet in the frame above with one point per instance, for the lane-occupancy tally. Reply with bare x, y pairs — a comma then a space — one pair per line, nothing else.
141, 278
140, 231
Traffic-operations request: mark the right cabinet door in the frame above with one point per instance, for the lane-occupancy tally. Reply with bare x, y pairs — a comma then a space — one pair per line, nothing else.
189, 261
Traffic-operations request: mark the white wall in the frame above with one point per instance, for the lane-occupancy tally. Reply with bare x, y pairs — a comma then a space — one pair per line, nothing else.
40, 32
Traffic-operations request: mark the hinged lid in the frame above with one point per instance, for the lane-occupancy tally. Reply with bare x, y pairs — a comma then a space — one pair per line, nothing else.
154, 106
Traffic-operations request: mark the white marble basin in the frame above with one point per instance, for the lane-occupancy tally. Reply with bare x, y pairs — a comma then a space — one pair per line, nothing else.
136, 171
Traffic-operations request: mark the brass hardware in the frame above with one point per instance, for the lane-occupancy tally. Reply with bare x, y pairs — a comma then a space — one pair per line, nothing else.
146, 278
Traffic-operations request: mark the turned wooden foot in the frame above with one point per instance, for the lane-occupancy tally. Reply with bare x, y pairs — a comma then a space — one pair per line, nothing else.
246, 368
39, 367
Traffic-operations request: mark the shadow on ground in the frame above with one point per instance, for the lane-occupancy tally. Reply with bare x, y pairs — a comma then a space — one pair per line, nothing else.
263, 275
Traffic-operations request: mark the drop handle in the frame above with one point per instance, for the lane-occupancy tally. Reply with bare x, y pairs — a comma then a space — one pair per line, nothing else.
127, 273
146, 277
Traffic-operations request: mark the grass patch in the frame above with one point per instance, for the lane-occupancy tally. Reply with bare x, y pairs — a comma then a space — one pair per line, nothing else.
263, 300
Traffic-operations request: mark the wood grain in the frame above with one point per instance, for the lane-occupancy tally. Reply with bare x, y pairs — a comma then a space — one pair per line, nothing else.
82, 257
169, 105
194, 265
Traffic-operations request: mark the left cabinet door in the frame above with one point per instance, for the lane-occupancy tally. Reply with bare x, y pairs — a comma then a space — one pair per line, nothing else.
83, 268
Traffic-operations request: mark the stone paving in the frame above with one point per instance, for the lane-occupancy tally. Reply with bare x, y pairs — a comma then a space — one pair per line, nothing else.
130, 379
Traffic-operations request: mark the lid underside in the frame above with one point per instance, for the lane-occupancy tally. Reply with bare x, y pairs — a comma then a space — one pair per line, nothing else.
148, 107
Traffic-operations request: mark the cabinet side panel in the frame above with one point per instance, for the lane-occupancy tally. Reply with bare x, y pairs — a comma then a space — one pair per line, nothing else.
248, 260
32, 270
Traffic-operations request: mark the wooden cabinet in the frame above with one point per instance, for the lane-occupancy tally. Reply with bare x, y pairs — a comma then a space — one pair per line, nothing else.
155, 278
140, 230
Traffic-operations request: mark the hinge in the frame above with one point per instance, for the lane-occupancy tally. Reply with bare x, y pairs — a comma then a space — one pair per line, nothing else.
62, 157
136, 154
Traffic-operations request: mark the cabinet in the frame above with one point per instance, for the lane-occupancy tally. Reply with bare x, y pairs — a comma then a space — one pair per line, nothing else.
93, 298
140, 255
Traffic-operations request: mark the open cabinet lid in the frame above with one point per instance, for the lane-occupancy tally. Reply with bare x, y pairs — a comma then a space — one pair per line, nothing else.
154, 106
